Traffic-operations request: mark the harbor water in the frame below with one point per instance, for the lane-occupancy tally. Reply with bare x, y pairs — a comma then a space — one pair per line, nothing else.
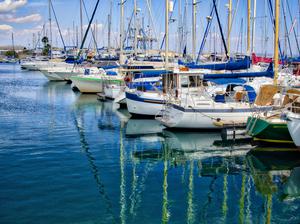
66, 157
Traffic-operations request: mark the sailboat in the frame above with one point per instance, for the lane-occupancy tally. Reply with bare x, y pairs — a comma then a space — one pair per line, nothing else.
272, 127
293, 119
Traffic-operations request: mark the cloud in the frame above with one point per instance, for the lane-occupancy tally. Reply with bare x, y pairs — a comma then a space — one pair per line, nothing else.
99, 26
11, 5
25, 19
5, 27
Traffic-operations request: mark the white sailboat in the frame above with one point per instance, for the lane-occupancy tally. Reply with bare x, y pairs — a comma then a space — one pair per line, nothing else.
63, 73
196, 105
293, 121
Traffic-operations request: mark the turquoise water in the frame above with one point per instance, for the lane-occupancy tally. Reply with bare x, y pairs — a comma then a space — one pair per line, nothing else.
68, 158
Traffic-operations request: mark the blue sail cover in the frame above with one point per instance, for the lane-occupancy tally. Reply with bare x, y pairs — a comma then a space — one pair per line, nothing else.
293, 60
268, 73
149, 74
145, 86
229, 65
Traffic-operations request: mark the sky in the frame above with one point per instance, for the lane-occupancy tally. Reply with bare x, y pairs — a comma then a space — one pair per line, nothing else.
29, 19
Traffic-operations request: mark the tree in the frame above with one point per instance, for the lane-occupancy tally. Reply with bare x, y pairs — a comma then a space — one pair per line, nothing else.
11, 54
45, 40
47, 46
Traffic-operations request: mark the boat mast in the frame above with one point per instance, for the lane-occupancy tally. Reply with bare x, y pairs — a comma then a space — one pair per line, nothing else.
135, 28
253, 26
109, 26
248, 25
50, 29
179, 27
229, 26
81, 25
194, 11
276, 36
167, 34
13, 44
121, 31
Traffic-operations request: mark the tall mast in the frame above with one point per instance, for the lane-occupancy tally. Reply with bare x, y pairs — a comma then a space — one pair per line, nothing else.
50, 29
167, 34
81, 25
13, 44
248, 26
253, 26
135, 28
229, 26
276, 36
179, 27
194, 8
109, 26
121, 30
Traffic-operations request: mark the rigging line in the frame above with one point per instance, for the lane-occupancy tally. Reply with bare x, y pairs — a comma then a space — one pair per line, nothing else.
93, 33
128, 29
273, 23
170, 20
87, 30
205, 34
220, 27
294, 31
151, 18
286, 31
61, 37
234, 15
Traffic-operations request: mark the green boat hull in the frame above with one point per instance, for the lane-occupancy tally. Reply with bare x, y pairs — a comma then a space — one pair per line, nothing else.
263, 130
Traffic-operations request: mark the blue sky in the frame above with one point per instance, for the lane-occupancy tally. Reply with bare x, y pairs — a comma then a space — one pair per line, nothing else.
26, 18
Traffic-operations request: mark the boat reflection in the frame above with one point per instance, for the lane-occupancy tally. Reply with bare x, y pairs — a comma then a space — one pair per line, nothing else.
79, 123
146, 130
275, 171
200, 145
137, 127
213, 155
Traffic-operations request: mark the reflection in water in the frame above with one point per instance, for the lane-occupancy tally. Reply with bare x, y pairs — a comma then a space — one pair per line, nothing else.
140, 173
199, 145
137, 127
225, 192
122, 182
275, 172
78, 115
242, 199
165, 212
190, 210
133, 186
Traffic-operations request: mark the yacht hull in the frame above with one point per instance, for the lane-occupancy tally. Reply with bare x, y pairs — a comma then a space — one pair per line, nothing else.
178, 117
140, 106
294, 127
88, 85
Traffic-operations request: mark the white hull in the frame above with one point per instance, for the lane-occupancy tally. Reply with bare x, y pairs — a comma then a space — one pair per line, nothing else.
121, 98
189, 119
88, 86
52, 76
66, 75
112, 91
294, 127
142, 108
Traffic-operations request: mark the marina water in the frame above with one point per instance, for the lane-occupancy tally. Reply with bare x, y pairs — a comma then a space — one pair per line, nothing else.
66, 157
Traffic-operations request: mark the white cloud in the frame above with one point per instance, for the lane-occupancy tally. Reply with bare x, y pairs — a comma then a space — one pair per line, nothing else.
99, 26
5, 27
25, 19
11, 5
